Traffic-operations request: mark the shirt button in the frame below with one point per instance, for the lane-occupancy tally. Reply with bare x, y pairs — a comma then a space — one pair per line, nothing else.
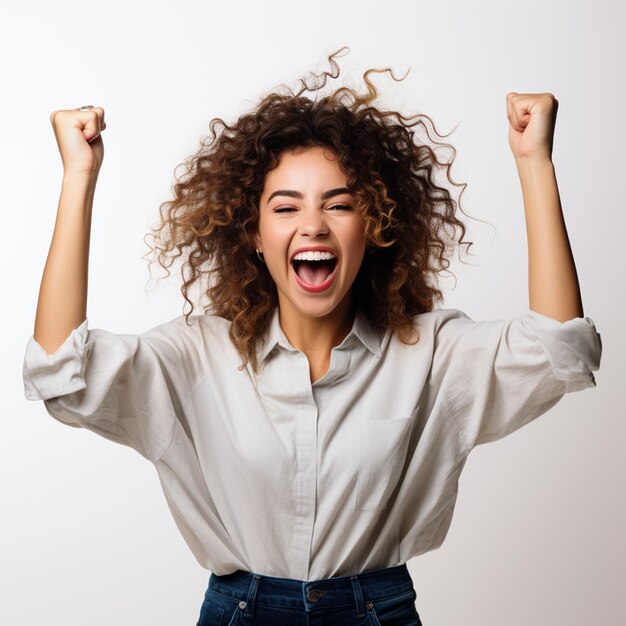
369, 605
243, 604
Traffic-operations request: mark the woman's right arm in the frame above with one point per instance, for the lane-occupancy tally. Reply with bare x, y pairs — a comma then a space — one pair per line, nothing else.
128, 388
62, 303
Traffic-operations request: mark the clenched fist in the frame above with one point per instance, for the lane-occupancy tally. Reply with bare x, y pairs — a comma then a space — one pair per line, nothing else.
79, 138
532, 118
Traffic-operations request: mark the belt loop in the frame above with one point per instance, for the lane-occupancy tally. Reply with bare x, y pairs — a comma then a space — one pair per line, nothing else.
250, 600
358, 595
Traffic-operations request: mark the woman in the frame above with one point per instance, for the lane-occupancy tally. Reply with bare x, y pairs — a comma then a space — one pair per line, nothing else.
310, 427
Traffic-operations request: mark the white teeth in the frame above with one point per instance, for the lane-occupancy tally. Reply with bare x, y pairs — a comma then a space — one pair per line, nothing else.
311, 255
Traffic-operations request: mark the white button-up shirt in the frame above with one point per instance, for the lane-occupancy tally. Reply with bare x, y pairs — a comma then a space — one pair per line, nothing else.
280, 476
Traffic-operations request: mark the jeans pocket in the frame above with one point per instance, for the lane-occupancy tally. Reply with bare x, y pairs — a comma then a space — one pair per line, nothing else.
383, 444
219, 610
211, 614
398, 610
234, 617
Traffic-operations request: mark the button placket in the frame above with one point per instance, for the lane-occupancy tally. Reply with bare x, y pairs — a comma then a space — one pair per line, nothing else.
306, 459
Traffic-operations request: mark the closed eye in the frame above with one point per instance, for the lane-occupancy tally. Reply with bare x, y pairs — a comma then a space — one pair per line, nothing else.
283, 209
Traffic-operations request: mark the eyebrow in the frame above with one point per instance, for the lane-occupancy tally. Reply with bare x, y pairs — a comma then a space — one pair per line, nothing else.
296, 194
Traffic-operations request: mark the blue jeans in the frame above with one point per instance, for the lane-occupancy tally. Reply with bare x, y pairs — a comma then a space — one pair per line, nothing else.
383, 597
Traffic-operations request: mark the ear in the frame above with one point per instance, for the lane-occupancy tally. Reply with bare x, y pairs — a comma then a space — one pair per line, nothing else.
257, 241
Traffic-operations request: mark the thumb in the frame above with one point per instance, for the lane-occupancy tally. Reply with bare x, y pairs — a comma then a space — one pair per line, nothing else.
91, 129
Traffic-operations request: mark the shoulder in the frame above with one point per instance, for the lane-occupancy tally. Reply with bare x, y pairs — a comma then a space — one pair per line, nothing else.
436, 329
432, 327
182, 327
436, 317
441, 322
188, 337
440, 333
187, 348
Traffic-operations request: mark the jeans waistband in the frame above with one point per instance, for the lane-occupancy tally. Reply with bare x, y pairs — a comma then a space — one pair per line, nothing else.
338, 591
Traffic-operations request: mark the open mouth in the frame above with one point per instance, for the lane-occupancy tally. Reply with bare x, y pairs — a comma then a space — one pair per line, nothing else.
314, 268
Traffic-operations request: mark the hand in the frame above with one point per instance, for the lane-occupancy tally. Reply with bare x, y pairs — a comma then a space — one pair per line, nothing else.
78, 135
532, 117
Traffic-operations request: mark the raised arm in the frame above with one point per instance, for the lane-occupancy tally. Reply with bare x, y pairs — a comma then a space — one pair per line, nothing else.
552, 280
62, 303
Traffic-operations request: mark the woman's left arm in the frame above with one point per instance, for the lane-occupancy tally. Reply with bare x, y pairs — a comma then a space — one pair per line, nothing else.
552, 280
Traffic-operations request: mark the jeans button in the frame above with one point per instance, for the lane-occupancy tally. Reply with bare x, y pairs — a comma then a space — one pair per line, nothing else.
369, 604
315, 594
243, 604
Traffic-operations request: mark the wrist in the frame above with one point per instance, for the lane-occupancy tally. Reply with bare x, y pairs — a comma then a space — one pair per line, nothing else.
535, 161
531, 167
79, 178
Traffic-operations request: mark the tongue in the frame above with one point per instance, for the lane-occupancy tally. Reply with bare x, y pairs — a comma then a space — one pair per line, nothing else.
315, 272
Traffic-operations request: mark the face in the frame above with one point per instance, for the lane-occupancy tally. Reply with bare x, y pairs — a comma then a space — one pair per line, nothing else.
305, 206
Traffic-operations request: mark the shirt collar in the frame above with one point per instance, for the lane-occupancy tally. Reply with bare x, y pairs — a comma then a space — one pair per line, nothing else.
361, 329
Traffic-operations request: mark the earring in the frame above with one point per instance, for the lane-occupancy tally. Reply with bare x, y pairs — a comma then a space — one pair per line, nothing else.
260, 257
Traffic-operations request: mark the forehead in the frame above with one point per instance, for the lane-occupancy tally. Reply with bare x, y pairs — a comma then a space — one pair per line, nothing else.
305, 167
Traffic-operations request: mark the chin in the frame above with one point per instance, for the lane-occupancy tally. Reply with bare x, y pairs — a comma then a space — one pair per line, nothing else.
317, 311
320, 308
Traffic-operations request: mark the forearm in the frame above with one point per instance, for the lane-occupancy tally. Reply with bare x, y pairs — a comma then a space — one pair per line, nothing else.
552, 280
62, 303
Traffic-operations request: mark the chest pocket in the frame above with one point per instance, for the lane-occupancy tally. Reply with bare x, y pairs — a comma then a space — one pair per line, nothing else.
383, 444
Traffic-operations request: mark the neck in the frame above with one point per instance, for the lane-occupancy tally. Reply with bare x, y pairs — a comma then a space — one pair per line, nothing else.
317, 335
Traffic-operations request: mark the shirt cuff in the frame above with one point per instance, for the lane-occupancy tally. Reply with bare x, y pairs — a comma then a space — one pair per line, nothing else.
574, 347
50, 375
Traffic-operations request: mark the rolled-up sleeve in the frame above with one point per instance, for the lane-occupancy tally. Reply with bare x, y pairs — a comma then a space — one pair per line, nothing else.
496, 376
124, 387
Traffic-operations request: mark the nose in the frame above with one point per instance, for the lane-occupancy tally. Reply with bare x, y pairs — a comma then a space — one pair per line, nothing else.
313, 224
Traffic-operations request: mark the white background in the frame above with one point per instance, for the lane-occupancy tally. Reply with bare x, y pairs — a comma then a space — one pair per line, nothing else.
538, 533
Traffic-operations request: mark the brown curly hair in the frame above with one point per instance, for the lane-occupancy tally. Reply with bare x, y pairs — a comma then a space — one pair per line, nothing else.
213, 217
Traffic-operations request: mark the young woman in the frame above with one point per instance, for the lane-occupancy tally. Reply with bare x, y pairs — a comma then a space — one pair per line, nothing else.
310, 426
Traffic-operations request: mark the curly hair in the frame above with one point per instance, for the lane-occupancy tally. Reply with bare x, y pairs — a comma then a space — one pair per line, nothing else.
213, 217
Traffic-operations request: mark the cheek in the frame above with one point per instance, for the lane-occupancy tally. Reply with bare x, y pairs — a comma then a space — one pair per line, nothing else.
357, 241
275, 253
267, 239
